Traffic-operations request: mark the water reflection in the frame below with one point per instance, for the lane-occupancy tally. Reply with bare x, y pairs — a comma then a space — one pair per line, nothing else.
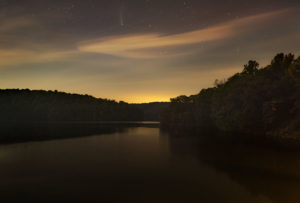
27, 131
138, 164
265, 171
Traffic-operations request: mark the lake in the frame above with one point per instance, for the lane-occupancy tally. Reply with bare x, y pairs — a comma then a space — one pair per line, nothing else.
142, 164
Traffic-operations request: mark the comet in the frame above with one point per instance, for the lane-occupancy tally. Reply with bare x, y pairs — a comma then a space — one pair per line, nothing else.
121, 18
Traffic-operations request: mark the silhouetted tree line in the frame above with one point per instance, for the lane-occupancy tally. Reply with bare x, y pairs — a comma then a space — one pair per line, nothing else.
53, 106
261, 101
153, 110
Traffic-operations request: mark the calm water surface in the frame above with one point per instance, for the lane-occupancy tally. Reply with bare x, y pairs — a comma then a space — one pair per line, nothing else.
142, 164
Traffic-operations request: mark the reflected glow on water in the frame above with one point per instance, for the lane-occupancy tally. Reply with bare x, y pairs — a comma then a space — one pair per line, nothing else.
138, 164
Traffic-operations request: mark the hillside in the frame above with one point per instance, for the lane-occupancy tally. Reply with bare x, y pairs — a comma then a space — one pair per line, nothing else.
153, 110
256, 101
53, 106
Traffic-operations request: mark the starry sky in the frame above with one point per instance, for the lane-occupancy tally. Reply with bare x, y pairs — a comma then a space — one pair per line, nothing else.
139, 50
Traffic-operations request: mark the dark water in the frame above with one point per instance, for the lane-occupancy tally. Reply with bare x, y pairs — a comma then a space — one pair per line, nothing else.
142, 164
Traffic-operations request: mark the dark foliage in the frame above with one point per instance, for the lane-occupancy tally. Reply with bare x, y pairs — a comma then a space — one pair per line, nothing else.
153, 110
53, 106
263, 101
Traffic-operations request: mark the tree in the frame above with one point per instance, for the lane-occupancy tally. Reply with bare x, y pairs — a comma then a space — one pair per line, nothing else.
251, 68
256, 101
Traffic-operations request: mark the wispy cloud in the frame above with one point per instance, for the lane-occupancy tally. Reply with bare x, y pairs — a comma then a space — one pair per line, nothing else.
134, 46
148, 45
19, 48
13, 24
21, 57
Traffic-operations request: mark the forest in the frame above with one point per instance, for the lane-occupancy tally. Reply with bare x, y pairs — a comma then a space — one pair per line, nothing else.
153, 110
53, 106
256, 101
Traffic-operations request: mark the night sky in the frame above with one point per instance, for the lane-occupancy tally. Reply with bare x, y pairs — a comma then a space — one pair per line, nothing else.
139, 50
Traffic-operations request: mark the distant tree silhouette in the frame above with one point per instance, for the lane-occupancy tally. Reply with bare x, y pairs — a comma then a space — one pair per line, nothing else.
152, 111
53, 106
